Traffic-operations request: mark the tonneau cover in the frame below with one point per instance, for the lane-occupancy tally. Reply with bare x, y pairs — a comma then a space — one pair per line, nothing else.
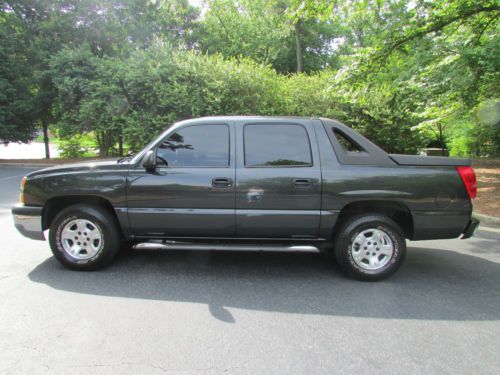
428, 160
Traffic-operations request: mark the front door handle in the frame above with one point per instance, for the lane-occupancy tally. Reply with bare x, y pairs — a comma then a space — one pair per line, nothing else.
222, 182
302, 181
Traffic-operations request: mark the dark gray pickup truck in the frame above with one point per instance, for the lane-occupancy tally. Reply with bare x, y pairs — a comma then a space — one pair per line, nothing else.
247, 183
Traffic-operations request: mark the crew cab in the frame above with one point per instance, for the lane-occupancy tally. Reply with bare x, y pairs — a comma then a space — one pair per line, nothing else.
265, 183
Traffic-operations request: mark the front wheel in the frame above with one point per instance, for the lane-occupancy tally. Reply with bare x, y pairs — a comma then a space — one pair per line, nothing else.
84, 237
370, 247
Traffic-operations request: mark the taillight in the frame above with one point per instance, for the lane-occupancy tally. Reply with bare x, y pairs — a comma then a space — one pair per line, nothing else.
468, 177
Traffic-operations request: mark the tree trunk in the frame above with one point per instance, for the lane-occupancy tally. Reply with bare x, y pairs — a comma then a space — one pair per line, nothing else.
102, 142
99, 142
441, 139
46, 139
120, 141
298, 46
107, 141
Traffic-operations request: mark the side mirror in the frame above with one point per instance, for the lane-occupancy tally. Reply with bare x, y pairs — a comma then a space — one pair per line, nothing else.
149, 160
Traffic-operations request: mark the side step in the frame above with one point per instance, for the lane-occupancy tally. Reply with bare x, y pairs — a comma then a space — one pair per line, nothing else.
173, 245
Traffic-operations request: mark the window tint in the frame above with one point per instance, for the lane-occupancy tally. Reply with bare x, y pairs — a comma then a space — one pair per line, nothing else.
276, 145
196, 146
347, 143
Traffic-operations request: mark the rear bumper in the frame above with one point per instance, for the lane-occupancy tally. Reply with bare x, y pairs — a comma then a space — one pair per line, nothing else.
437, 225
470, 228
28, 221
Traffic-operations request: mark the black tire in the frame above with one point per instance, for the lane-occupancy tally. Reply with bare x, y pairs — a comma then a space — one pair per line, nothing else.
346, 247
108, 230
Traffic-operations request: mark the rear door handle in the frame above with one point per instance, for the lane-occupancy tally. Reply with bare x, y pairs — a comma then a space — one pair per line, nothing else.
302, 181
222, 182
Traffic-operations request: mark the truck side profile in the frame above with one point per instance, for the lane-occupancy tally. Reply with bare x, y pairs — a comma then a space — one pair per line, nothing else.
252, 183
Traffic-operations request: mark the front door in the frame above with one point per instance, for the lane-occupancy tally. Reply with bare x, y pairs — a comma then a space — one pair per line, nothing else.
191, 192
278, 180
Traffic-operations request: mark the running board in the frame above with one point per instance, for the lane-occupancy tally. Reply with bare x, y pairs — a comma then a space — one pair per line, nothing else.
230, 247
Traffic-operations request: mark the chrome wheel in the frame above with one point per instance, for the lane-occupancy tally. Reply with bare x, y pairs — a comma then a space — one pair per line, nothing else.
372, 249
81, 239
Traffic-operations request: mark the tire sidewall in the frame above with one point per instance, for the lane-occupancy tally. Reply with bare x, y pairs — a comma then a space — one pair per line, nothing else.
58, 243
351, 231
110, 240
395, 255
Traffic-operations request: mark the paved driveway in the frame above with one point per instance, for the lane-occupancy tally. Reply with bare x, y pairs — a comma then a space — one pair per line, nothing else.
32, 150
246, 313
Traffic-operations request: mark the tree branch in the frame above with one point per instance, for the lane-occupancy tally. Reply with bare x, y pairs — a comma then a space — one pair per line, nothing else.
437, 26
478, 38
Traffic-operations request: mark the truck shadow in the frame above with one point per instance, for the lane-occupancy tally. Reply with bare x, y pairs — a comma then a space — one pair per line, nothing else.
432, 284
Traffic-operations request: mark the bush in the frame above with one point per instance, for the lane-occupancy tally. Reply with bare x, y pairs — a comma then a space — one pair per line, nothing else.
142, 95
72, 148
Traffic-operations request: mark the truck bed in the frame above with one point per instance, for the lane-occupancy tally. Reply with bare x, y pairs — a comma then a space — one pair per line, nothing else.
415, 160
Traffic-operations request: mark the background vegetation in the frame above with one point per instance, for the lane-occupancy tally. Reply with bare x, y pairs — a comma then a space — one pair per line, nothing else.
114, 73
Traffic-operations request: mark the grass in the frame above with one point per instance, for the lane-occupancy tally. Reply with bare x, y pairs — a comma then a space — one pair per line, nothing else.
86, 139
53, 140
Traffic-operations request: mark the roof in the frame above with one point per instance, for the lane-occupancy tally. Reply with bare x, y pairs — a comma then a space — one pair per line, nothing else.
233, 118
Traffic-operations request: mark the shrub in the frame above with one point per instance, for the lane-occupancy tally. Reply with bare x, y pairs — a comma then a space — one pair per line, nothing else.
142, 95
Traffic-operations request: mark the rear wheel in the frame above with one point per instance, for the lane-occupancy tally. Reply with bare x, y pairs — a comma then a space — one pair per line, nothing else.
370, 247
84, 237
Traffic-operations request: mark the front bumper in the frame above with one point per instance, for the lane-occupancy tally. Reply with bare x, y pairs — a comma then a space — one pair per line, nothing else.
28, 221
470, 228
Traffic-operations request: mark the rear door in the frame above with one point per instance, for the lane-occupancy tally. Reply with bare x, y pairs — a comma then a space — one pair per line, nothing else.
278, 179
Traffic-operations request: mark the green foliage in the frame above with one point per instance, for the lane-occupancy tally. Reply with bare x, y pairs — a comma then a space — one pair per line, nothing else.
147, 92
153, 88
90, 96
263, 30
72, 148
33, 31
405, 74
16, 96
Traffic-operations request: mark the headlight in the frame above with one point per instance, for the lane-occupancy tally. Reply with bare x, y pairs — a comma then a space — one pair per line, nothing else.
21, 193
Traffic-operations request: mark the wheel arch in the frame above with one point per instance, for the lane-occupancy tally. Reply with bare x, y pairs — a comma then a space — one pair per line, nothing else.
396, 211
56, 204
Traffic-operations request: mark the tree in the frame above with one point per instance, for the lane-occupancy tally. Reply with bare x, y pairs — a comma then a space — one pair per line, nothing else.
265, 31
298, 12
124, 69
445, 55
17, 123
90, 98
109, 27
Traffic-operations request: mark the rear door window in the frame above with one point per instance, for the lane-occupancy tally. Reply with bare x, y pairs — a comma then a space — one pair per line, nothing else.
276, 145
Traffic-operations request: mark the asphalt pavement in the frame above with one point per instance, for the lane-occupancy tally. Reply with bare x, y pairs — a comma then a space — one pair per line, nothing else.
190, 312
